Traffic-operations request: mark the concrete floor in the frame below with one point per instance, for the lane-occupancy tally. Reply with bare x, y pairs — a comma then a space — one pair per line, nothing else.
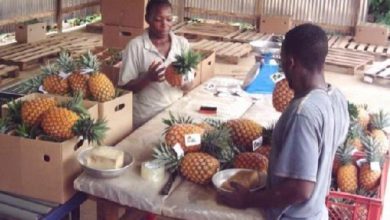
376, 96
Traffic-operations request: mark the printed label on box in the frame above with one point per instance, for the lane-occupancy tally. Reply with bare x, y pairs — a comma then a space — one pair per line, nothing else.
192, 139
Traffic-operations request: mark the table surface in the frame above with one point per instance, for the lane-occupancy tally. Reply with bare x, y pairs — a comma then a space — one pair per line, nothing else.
186, 200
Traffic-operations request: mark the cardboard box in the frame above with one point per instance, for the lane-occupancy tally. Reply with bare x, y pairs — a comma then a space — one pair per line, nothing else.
41, 169
27, 33
207, 67
119, 116
118, 37
271, 24
370, 33
112, 72
126, 13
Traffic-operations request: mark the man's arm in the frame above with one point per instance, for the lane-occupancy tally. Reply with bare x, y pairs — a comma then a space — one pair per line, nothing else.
289, 192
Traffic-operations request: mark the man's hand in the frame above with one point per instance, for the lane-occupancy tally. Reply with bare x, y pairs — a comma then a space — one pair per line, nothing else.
156, 71
239, 198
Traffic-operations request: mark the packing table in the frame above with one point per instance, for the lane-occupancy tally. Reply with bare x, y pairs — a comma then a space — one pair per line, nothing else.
186, 199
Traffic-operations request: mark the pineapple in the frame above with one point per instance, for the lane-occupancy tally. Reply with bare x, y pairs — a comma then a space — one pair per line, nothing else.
52, 82
282, 95
165, 154
244, 132
33, 110
176, 134
199, 167
181, 67
71, 120
265, 149
78, 82
177, 128
100, 86
337, 160
58, 123
354, 137
347, 174
368, 178
251, 160
363, 116
379, 121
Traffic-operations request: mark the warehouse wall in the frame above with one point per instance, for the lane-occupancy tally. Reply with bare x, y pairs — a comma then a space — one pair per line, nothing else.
17, 8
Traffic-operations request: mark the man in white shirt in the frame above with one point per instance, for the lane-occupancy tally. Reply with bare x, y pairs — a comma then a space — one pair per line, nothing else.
145, 60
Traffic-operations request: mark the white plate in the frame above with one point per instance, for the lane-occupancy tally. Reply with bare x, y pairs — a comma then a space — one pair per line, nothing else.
222, 176
110, 173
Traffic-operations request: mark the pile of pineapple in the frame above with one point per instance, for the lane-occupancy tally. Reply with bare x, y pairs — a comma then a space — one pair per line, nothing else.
68, 76
367, 139
223, 145
44, 118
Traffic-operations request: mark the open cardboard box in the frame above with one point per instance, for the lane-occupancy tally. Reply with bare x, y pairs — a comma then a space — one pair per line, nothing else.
41, 169
27, 33
119, 116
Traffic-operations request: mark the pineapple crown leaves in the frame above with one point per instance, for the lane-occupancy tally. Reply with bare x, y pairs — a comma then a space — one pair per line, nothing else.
353, 111
76, 104
167, 156
89, 61
32, 85
14, 111
66, 62
380, 120
50, 69
218, 143
355, 131
4, 125
179, 119
366, 193
187, 61
371, 147
94, 131
345, 154
215, 123
23, 130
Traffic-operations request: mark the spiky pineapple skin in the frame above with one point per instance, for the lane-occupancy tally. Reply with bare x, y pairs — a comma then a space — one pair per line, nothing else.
173, 77
282, 95
101, 87
32, 110
176, 134
244, 132
251, 160
264, 150
199, 167
368, 179
58, 122
79, 83
54, 84
347, 178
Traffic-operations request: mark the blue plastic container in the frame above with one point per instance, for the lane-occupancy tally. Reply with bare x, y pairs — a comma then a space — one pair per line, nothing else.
263, 84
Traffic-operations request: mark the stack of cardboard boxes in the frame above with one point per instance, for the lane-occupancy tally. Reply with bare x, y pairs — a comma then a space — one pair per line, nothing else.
123, 20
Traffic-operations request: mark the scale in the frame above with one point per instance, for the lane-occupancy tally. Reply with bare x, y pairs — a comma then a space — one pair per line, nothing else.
259, 79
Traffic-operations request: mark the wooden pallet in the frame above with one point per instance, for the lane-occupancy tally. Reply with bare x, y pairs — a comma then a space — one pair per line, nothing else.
207, 31
349, 62
31, 55
7, 72
378, 72
228, 51
347, 42
247, 36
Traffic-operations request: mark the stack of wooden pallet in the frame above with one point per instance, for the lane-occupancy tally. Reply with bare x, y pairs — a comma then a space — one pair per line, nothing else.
349, 62
228, 51
347, 42
378, 72
33, 54
8, 72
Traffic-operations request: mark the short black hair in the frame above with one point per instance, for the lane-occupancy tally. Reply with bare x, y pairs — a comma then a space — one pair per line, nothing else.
152, 4
309, 44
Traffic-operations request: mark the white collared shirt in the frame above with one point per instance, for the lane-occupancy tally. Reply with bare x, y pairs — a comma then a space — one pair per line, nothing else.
137, 57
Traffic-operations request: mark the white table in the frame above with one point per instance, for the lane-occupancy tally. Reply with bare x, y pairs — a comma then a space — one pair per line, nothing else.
185, 200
